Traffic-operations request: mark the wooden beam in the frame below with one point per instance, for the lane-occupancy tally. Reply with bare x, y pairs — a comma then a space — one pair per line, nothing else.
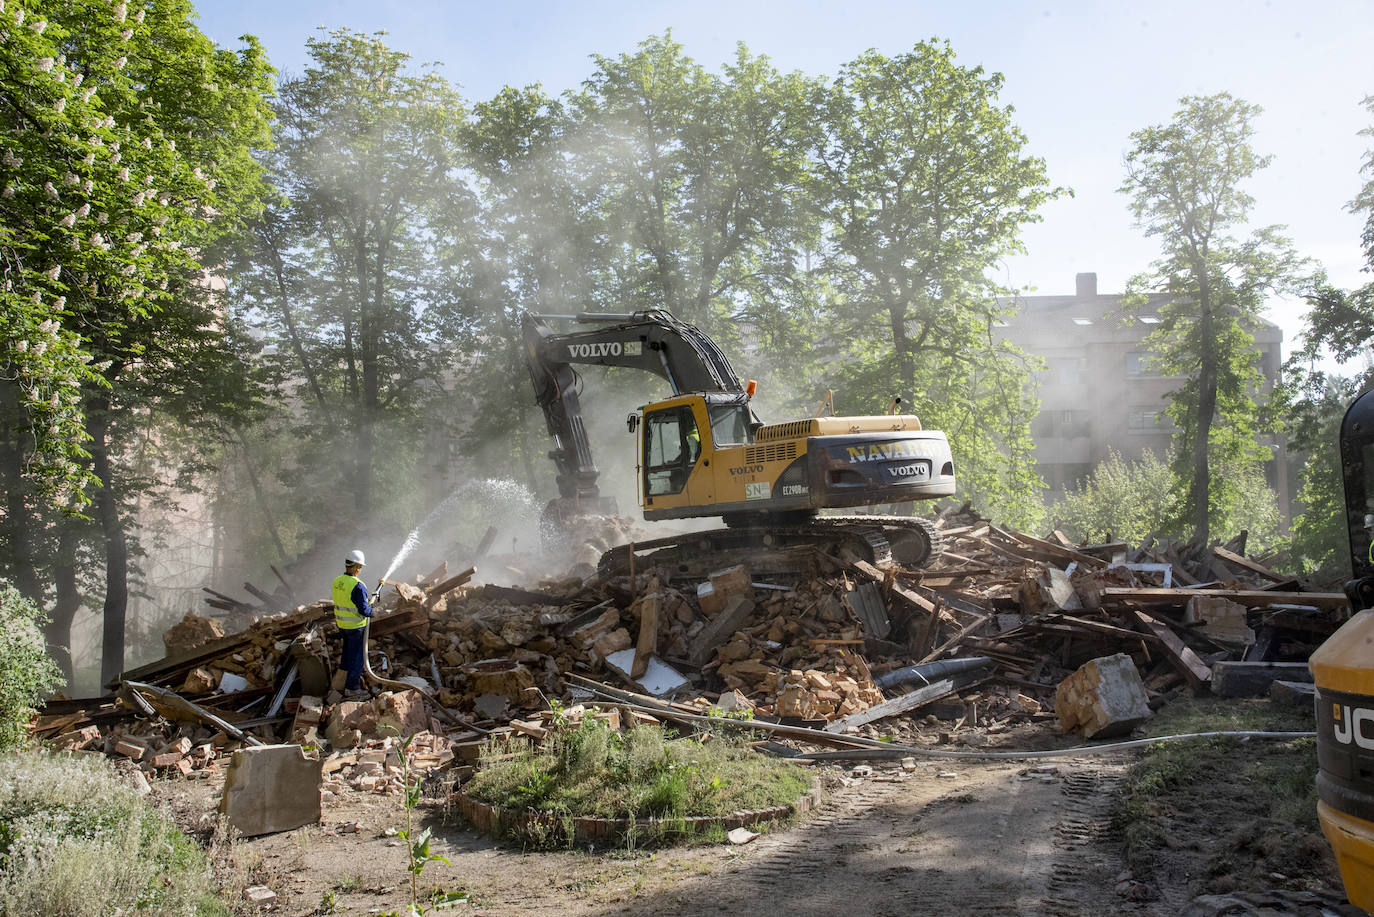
896, 705
1184, 659
1251, 598
1063, 553
1233, 558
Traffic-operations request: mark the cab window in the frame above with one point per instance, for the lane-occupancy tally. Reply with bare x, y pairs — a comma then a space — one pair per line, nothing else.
671, 447
729, 424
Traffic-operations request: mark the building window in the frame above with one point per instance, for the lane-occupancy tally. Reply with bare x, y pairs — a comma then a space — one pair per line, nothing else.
1139, 364
1149, 420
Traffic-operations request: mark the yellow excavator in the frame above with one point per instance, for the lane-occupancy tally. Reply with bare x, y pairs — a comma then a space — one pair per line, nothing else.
703, 452
1343, 671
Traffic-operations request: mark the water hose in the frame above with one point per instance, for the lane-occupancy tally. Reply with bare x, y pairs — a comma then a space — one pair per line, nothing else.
391, 683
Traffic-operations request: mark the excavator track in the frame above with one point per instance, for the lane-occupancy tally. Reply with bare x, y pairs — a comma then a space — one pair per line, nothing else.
907, 541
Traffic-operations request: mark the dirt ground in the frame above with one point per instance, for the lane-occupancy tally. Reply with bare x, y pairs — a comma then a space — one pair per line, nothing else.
1030, 837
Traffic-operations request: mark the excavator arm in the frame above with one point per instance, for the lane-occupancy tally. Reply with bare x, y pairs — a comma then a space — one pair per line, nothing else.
653, 341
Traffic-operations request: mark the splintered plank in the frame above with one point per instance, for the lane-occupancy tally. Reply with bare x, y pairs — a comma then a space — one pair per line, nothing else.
896, 705
1184, 659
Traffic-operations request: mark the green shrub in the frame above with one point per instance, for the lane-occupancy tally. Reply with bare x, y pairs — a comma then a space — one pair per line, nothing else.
76, 840
27, 673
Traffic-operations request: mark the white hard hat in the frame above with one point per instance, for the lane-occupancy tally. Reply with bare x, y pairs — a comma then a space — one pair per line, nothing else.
355, 557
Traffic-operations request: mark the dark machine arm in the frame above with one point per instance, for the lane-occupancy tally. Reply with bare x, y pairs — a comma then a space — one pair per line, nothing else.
653, 341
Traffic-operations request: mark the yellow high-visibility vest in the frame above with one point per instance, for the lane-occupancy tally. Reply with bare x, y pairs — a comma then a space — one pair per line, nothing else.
346, 614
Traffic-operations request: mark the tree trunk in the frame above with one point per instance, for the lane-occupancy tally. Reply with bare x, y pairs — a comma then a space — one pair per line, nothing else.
20, 525
59, 630
116, 542
901, 346
1200, 493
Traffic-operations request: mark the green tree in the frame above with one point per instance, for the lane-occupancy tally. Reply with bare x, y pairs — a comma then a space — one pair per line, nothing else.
1185, 182
1339, 324
1121, 499
698, 180
1132, 501
125, 161
925, 184
360, 277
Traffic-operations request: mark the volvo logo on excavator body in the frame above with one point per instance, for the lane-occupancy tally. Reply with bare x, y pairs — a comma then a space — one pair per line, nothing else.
604, 349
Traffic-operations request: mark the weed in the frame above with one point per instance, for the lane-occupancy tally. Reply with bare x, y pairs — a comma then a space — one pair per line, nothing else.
75, 839
418, 847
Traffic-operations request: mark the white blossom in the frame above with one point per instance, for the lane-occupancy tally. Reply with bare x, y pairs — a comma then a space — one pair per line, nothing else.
45, 64
10, 160
138, 17
89, 159
39, 347
123, 174
22, 346
147, 143
147, 179
52, 192
134, 237
8, 193
60, 105
69, 220
210, 184
39, 25
164, 198
86, 96
72, 178
119, 11
138, 199
77, 78
120, 62
61, 303
126, 34
54, 271
102, 217
88, 186
82, 211
19, 16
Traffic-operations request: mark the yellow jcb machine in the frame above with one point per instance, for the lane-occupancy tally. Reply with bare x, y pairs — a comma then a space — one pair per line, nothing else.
703, 452
1343, 669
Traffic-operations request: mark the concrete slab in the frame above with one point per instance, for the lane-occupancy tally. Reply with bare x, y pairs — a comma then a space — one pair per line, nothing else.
271, 788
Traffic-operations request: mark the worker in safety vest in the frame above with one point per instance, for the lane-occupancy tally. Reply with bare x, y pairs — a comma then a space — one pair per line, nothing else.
351, 611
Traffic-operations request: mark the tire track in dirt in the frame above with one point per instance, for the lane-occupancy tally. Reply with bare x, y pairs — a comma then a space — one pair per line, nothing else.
991, 840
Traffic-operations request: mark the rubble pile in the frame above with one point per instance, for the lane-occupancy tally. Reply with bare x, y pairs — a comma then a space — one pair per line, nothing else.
1001, 628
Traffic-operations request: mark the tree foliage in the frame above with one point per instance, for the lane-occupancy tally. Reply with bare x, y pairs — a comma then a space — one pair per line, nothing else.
30, 674
1185, 182
125, 161
359, 276
1132, 501
925, 183
1340, 325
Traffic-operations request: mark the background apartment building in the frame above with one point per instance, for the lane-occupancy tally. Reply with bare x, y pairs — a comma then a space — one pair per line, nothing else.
1097, 390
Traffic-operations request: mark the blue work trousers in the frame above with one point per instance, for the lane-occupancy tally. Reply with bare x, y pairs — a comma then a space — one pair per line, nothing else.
352, 661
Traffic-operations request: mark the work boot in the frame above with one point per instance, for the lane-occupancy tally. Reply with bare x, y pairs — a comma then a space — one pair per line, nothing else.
357, 694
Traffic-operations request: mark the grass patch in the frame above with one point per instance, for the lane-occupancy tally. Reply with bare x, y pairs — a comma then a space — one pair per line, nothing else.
75, 839
596, 772
1225, 814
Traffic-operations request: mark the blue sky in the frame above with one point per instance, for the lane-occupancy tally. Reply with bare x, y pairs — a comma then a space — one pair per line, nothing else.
1082, 77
